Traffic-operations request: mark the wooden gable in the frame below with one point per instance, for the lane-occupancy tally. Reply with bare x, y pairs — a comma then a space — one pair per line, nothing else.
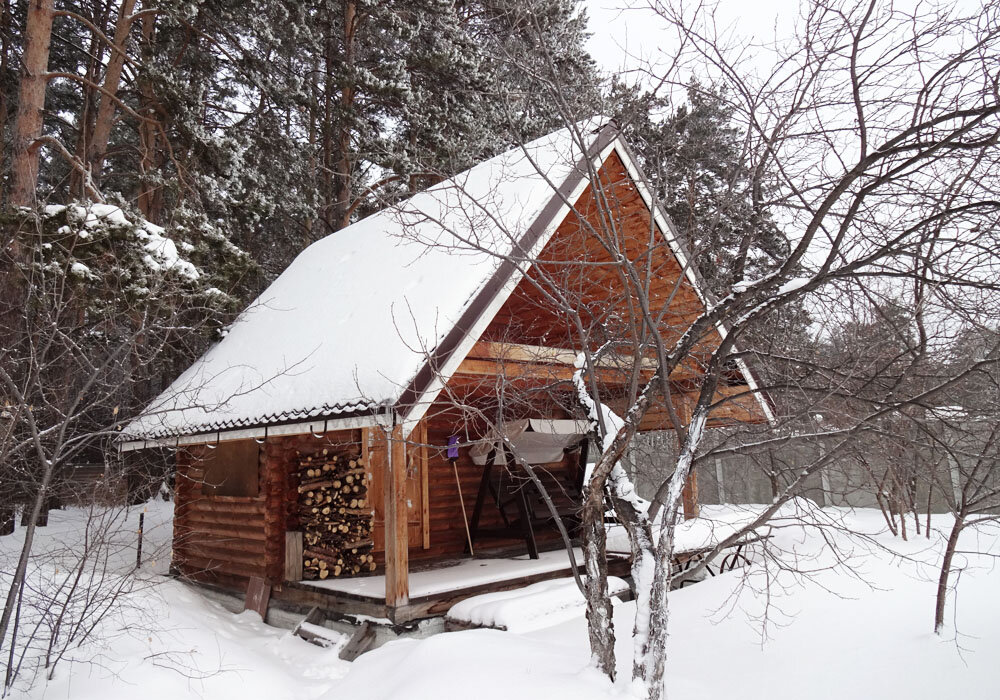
531, 342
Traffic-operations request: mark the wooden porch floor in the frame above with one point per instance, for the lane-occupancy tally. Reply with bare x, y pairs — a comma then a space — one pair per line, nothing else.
434, 590
470, 573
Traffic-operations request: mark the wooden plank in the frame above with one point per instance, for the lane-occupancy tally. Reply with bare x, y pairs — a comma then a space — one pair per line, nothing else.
425, 487
375, 450
333, 602
439, 604
360, 642
397, 591
293, 556
258, 595
690, 496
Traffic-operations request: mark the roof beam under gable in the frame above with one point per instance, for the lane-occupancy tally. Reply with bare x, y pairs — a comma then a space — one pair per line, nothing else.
488, 357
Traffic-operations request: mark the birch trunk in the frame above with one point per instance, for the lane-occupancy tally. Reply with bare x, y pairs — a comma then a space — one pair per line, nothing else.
650, 664
22, 562
600, 614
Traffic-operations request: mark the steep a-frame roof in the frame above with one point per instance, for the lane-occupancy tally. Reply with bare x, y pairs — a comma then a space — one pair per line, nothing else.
367, 320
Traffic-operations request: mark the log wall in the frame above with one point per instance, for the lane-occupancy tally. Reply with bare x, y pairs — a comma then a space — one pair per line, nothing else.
227, 539
219, 539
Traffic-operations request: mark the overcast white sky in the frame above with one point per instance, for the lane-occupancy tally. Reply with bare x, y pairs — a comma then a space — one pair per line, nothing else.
626, 31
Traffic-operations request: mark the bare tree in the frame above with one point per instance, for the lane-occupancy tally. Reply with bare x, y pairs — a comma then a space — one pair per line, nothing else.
871, 141
82, 352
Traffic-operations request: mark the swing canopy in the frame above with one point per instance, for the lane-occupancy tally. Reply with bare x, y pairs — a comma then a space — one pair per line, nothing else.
535, 440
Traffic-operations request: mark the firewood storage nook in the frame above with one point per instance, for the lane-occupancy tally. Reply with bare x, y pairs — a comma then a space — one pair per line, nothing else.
334, 513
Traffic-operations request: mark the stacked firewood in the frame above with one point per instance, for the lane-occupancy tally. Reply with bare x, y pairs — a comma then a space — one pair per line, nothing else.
335, 515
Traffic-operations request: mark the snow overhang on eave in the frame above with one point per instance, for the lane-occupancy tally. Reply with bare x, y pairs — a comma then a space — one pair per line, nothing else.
316, 426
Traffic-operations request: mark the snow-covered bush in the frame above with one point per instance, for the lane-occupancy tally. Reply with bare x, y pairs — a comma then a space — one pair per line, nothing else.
117, 261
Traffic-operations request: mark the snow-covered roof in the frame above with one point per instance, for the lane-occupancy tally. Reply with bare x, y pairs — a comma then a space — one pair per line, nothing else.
348, 326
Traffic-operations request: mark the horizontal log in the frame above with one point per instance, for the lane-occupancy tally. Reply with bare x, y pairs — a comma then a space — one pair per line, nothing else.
229, 544
234, 528
542, 355
255, 543
193, 565
223, 557
211, 505
236, 520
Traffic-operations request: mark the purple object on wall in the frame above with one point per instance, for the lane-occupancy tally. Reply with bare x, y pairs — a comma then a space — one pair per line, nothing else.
453, 447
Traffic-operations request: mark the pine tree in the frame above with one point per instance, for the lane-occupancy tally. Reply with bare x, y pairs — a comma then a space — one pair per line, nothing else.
694, 158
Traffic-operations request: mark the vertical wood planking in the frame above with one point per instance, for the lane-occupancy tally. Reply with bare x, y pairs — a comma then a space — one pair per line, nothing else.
293, 556
425, 507
690, 496
397, 591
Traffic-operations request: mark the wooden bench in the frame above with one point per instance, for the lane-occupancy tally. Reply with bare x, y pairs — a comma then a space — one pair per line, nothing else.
735, 556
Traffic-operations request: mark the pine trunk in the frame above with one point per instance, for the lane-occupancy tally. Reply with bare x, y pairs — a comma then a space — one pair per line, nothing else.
112, 80
150, 199
78, 185
31, 103
340, 215
5, 29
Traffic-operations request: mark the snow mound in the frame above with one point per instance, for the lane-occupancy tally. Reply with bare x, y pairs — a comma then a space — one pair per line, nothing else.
480, 664
539, 605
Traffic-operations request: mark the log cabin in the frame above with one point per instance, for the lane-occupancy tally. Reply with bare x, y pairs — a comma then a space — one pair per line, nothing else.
341, 442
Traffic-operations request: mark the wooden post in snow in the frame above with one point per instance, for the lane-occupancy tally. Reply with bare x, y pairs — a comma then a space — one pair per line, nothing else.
690, 496
397, 586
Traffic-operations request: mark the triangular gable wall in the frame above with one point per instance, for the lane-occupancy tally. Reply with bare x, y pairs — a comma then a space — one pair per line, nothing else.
577, 264
571, 254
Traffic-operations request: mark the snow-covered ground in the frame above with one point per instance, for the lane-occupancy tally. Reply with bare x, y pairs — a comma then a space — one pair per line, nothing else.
857, 632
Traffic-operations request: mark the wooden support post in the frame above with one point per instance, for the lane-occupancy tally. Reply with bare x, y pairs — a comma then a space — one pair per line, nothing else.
293, 555
720, 478
397, 586
690, 496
